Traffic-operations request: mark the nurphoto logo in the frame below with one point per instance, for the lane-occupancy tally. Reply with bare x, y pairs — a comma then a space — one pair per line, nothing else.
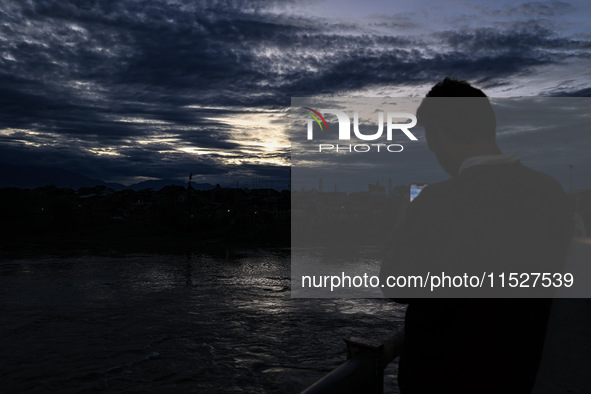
344, 132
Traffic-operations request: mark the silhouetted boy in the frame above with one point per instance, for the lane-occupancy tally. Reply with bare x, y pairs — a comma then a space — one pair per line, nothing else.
495, 212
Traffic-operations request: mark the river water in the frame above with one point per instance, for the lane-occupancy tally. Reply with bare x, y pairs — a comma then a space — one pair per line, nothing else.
170, 323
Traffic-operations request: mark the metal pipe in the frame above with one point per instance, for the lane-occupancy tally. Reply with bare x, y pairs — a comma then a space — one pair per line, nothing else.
363, 372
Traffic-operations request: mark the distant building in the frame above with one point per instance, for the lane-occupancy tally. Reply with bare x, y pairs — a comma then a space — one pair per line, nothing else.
376, 189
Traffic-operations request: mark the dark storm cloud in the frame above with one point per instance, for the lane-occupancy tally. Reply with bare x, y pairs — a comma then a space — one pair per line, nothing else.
527, 9
525, 38
571, 93
149, 77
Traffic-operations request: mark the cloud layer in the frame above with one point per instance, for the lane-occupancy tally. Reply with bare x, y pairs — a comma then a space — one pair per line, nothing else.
153, 89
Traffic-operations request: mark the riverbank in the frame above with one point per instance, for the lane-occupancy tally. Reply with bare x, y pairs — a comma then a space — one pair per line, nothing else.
115, 243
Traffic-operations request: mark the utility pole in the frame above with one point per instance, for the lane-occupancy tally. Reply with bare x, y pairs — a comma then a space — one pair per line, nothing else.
189, 187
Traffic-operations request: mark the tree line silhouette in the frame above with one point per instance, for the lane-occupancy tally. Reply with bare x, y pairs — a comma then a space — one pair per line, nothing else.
169, 219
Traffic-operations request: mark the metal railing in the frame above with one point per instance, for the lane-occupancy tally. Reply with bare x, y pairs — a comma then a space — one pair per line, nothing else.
363, 372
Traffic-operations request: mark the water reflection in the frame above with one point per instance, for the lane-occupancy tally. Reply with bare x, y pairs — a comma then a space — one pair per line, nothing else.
188, 270
194, 322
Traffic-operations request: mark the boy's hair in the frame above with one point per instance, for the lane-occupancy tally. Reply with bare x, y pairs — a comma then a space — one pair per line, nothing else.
459, 110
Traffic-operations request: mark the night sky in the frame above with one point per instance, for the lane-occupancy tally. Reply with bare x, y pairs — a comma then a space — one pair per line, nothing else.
135, 90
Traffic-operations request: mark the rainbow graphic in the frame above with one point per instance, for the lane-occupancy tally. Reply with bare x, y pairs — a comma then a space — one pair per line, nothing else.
316, 119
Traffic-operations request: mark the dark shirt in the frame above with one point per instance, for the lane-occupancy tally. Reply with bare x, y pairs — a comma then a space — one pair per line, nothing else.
488, 216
